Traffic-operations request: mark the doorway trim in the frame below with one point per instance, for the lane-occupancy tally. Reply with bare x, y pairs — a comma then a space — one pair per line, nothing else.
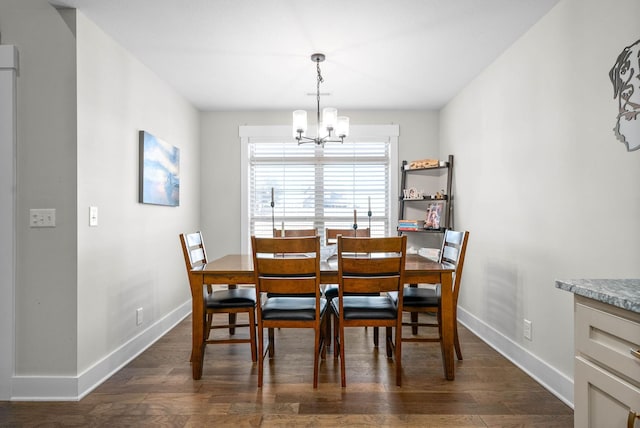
8, 153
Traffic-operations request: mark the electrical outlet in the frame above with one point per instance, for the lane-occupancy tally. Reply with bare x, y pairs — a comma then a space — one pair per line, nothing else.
527, 329
42, 217
139, 316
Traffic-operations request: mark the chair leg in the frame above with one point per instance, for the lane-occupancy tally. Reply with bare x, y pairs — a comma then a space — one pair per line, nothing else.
343, 376
316, 353
272, 343
376, 336
205, 332
260, 354
232, 323
252, 334
209, 322
336, 339
323, 336
389, 342
456, 341
327, 330
398, 352
414, 316
414, 323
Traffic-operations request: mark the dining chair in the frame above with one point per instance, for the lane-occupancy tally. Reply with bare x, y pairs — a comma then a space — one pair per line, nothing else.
289, 266
427, 299
331, 290
231, 301
292, 233
370, 265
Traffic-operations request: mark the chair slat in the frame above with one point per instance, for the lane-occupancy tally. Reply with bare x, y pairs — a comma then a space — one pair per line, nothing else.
371, 245
286, 285
367, 285
194, 239
291, 246
370, 266
331, 235
291, 233
450, 254
197, 257
283, 266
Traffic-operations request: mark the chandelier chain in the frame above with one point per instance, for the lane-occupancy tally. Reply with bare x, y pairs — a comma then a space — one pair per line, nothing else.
320, 80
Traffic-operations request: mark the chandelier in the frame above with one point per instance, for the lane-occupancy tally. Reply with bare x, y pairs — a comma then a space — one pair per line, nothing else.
332, 128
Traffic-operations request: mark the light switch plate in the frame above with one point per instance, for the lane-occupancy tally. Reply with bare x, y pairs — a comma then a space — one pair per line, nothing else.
42, 217
93, 216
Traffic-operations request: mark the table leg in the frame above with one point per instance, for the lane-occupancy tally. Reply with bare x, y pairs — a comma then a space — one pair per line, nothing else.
447, 320
197, 325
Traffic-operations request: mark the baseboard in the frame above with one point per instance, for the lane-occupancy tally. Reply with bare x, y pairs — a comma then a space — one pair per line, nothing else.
74, 388
546, 375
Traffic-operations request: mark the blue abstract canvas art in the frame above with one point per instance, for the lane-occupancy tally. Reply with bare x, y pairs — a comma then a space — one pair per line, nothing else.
159, 171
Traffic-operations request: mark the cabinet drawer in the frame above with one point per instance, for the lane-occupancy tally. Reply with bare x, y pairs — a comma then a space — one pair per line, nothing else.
608, 339
602, 399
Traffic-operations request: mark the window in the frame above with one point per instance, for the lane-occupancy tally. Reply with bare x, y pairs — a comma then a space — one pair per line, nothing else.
319, 187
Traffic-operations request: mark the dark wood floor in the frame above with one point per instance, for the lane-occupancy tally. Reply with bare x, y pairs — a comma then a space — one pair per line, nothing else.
156, 389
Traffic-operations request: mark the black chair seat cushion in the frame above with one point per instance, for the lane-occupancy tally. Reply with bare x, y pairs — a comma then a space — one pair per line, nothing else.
366, 307
331, 292
292, 308
235, 298
413, 296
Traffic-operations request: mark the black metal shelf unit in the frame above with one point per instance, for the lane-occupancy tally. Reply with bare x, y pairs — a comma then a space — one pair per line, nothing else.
446, 216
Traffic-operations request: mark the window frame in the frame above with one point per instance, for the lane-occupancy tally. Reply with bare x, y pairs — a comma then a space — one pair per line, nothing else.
250, 133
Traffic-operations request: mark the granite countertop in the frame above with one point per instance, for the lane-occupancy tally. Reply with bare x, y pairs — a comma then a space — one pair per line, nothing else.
623, 293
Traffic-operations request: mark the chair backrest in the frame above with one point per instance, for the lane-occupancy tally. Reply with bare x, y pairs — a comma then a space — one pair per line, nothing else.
367, 265
194, 253
331, 235
454, 248
287, 265
291, 233
193, 250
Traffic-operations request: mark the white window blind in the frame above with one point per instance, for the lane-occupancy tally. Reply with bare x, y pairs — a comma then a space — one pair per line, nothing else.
315, 187
318, 187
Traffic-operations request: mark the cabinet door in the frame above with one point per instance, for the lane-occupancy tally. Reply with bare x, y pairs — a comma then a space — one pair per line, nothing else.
601, 398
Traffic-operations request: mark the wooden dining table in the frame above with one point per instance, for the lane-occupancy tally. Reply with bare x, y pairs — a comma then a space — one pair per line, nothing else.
237, 269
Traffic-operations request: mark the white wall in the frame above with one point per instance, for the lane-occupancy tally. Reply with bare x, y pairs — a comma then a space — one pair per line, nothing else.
542, 183
133, 258
220, 171
81, 102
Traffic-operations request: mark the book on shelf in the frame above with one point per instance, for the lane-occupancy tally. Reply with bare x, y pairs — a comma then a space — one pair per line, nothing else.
410, 224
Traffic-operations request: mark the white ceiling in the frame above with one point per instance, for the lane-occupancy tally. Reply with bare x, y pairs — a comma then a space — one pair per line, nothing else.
255, 54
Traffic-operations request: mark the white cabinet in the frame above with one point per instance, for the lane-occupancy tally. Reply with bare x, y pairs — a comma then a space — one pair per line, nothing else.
607, 371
